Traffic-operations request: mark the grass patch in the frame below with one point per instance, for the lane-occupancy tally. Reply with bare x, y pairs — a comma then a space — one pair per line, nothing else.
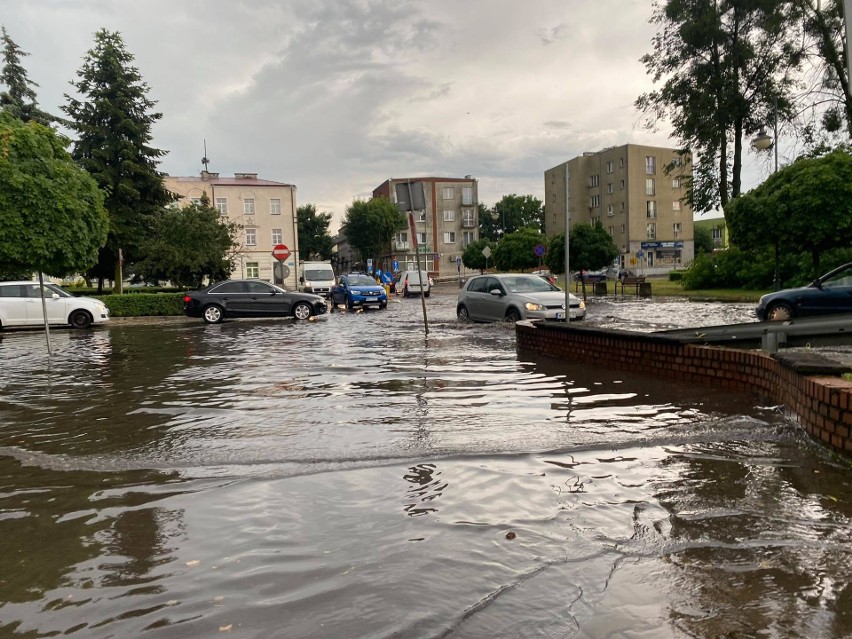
667, 288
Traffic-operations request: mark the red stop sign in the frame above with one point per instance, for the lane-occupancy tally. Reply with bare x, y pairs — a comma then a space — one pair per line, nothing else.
280, 252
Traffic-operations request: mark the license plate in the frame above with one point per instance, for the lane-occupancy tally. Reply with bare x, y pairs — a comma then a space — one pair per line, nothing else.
372, 299
560, 316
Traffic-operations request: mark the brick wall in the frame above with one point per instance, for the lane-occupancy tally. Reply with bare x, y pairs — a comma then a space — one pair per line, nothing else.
820, 403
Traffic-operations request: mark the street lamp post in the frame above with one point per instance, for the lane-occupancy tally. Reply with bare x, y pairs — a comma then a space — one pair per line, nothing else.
762, 142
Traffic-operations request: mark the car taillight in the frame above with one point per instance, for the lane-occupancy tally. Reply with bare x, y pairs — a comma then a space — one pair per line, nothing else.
186, 299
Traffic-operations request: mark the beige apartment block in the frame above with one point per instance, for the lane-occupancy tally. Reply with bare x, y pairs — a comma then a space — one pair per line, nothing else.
445, 226
637, 194
265, 212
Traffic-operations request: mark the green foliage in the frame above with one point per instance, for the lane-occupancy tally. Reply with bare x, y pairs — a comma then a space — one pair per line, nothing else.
52, 218
703, 238
516, 251
19, 98
676, 276
371, 224
516, 212
473, 258
805, 206
722, 67
186, 246
591, 248
314, 241
143, 304
113, 122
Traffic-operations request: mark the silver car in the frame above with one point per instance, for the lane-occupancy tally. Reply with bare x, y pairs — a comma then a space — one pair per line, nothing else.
515, 296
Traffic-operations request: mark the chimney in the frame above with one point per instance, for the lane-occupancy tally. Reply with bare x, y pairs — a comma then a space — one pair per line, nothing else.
246, 176
207, 175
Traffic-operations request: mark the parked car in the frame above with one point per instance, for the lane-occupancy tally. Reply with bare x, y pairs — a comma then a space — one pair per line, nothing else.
591, 277
21, 305
515, 296
359, 290
412, 284
547, 276
829, 294
250, 298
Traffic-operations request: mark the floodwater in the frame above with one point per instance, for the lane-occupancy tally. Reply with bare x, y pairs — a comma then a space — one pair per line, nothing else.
351, 477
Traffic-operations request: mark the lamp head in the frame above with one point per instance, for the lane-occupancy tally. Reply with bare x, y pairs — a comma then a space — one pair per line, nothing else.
763, 140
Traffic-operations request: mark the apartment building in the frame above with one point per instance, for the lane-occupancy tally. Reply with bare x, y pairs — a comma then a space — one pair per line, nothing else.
636, 193
264, 210
445, 226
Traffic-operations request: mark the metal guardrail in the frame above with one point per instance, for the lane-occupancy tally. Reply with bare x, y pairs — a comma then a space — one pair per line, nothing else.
826, 330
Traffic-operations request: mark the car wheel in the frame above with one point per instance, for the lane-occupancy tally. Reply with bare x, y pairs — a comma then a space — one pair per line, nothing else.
302, 311
383, 305
512, 315
779, 312
212, 314
349, 303
427, 294
405, 292
80, 319
462, 313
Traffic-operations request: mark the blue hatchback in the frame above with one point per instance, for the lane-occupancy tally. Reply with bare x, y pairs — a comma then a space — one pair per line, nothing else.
358, 290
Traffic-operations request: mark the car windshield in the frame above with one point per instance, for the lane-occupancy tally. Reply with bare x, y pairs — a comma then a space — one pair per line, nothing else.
54, 288
527, 284
361, 280
841, 278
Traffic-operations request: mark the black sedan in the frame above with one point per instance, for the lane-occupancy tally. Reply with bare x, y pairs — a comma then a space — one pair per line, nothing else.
829, 294
250, 298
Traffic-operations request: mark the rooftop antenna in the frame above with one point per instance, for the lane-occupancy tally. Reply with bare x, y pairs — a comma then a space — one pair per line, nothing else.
204, 160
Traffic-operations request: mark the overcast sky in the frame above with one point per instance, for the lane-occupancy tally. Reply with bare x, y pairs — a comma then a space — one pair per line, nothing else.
336, 96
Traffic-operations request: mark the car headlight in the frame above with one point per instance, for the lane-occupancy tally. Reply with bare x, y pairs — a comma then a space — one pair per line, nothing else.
532, 306
582, 304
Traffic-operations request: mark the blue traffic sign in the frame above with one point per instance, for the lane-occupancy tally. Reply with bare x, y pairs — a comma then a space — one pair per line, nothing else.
540, 250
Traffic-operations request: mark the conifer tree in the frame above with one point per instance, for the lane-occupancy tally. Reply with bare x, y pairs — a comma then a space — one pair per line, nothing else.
19, 96
113, 119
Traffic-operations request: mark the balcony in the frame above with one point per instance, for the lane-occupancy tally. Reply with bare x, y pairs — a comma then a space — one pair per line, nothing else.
401, 246
468, 223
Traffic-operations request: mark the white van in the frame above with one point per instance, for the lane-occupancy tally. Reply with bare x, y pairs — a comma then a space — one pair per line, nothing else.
410, 283
317, 278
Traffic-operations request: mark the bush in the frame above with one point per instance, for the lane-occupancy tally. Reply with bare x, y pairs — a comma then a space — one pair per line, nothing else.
676, 276
143, 304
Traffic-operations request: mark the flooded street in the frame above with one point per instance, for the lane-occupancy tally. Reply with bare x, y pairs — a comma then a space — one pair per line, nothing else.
351, 477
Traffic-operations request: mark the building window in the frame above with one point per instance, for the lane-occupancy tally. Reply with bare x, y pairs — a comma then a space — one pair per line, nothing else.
248, 206
622, 207
650, 165
595, 201
621, 185
609, 188
467, 196
195, 201
594, 180
610, 230
467, 238
651, 209
468, 219
609, 210
449, 193
676, 206
621, 163
420, 216
622, 229
650, 186
610, 167
596, 219
222, 205
251, 237
676, 183
652, 231
717, 233
449, 215
402, 238
450, 237
252, 270
277, 236
275, 206
676, 230
421, 239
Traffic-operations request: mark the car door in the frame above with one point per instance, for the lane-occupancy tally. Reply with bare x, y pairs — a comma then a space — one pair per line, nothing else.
56, 306
494, 306
13, 305
477, 298
232, 297
338, 291
262, 300
835, 296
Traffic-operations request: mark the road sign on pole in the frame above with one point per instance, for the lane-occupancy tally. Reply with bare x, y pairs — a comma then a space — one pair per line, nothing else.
280, 252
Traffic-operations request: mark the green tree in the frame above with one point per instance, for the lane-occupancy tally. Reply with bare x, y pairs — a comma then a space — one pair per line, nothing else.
703, 239
113, 124
590, 248
314, 241
806, 206
516, 251
488, 226
723, 65
52, 218
370, 225
19, 97
473, 258
188, 245
515, 212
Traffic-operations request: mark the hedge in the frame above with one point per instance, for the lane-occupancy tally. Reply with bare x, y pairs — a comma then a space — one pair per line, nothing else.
143, 304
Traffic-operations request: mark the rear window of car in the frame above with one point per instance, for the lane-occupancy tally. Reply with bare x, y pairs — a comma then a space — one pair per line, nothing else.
477, 285
230, 287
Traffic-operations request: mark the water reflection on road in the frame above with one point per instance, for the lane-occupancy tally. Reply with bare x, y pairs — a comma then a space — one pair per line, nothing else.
350, 477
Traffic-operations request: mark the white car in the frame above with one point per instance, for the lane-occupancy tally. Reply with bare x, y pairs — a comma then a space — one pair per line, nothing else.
21, 305
509, 297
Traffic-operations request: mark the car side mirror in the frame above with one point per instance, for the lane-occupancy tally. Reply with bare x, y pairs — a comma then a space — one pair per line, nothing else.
496, 292
55, 296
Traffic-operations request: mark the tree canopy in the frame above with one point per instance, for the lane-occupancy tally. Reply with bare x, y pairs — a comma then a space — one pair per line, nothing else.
113, 120
806, 206
473, 258
187, 245
314, 241
590, 248
52, 218
19, 97
516, 251
370, 226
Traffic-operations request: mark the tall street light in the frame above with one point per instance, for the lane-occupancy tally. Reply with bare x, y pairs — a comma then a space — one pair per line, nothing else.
762, 142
